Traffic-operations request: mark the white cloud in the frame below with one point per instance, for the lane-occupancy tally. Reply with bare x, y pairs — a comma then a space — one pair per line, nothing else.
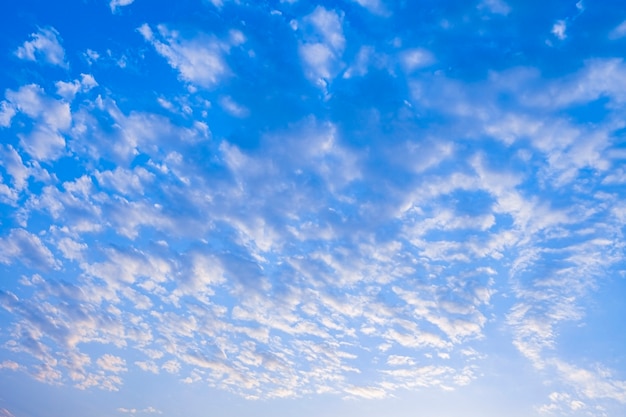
12, 365
329, 25
68, 90
12, 162
199, 60
71, 249
323, 45
24, 247
112, 363
593, 384
618, 32
364, 58
374, 6
6, 413
45, 141
559, 28
44, 144
495, 6
116, 4
147, 410
413, 59
367, 392
233, 108
124, 181
31, 100
6, 114
319, 59
44, 45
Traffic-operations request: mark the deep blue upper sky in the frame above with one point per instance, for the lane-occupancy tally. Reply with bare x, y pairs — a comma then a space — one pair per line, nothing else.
366, 207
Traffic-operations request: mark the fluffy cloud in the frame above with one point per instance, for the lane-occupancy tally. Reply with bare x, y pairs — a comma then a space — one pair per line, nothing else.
323, 44
24, 247
52, 118
44, 45
200, 60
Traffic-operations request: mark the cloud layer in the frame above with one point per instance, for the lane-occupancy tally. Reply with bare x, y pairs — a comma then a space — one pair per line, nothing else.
302, 207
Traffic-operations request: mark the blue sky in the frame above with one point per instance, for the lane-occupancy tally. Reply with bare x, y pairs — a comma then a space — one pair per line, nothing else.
279, 207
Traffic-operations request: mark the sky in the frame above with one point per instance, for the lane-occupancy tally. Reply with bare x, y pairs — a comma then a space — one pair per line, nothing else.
216, 208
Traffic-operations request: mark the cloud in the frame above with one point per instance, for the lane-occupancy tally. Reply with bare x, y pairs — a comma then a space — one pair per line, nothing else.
199, 60
374, 6
561, 402
413, 59
14, 165
618, 32
52, 117
495, 6
233, 108
6, 114
68, 90
44, 45
13, 366
147, 410
112, 363
559, 28
24, 247
367, 392
317, 257
593, 384
116, 4
323, 44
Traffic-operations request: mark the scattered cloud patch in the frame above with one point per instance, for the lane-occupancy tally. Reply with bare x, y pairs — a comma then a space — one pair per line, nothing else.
116, 4
233, 108
199, 60
45, 46
414, 59
495, 6
559, 29
323, 44
374, 6
24, 247
52, 119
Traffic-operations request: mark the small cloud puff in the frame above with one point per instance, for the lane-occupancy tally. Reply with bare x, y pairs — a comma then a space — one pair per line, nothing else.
111, 363
495, 7
374, 6
559, 28
414, 59
44, 45
199, 60
116, 4
68, 90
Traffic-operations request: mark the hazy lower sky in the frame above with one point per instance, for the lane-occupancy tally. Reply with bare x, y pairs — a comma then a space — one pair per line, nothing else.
369, 208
